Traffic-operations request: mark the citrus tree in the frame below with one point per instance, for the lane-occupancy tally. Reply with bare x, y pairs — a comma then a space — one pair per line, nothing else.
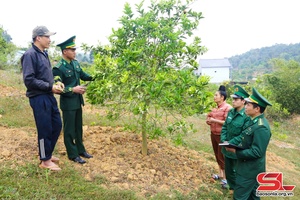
7, 48
148, 67
283, 84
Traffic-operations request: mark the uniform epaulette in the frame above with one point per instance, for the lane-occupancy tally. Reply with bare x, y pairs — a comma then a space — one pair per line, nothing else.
59, 64
260, 122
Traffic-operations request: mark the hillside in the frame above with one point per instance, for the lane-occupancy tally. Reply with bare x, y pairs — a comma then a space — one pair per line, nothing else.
117, 158
255, 62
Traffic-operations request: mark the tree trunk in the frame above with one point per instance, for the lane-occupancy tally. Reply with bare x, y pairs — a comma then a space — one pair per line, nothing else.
144, 134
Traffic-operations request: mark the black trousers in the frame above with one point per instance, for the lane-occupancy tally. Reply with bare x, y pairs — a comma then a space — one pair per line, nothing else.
48, 123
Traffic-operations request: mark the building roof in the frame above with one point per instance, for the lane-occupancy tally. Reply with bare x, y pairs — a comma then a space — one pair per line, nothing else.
209, 63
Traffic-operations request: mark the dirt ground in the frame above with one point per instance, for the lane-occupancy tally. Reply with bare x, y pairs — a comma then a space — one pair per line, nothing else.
117, 157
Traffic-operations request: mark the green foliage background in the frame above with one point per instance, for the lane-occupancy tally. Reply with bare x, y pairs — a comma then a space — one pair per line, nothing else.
147, 70
255, 62
284, 84
7, 49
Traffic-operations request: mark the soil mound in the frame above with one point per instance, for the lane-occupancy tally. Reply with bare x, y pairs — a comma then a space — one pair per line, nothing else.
118, 160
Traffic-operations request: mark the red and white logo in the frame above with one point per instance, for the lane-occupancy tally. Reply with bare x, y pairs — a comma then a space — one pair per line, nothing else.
271, 184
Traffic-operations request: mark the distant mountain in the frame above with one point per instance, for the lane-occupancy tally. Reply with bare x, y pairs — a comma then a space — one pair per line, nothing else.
249, 65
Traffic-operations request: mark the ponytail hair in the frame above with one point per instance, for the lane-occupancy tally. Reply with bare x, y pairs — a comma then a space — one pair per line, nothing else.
222, 91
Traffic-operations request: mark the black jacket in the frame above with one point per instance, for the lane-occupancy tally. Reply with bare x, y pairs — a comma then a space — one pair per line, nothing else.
37, 72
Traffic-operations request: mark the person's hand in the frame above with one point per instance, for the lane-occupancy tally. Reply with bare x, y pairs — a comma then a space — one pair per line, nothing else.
79, 89
208, 122
58, 87
230, 149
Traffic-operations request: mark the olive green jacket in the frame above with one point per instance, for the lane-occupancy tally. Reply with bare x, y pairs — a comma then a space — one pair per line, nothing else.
232, 127
254, 139
70, 75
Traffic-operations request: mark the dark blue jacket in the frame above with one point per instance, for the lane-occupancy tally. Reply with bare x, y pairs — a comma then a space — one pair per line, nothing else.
37, 72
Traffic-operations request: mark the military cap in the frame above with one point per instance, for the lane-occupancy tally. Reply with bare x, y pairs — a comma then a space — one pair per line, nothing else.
68, 44
257, 98
41, 31
239, 93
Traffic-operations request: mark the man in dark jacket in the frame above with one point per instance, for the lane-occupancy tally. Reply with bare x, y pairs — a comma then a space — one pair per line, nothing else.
69, 72
38, 79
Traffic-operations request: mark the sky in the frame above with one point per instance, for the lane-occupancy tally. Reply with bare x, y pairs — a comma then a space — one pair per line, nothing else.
229, 27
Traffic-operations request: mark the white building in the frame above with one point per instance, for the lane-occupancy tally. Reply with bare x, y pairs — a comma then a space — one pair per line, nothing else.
217, 69
15, 58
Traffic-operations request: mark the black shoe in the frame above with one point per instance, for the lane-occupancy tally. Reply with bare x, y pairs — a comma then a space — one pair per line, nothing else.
78, 160
86, 155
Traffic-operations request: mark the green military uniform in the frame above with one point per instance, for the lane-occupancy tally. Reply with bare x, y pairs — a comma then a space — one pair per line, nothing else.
232, 127
70, 74
252, 159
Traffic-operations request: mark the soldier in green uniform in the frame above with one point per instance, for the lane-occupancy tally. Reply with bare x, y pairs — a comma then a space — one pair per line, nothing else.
232, 127
251, 160
69, 72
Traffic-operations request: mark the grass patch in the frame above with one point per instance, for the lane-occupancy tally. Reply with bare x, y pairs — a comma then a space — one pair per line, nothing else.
202, 193
200, 140
30, 182
33, 183
16, 112
12, 79
287, 131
